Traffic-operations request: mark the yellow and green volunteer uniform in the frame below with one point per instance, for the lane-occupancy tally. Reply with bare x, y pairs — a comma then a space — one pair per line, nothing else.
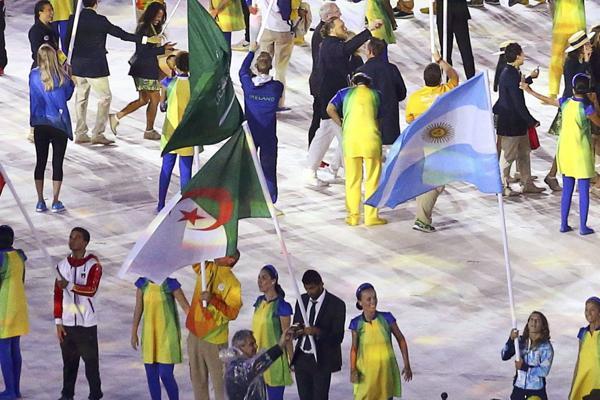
587, 374
359, 108
178, 97
379, 375
161, 333
14, 320
376, 10
569, 17
574, 154
209, 327
417, 104
231, 17
266, 326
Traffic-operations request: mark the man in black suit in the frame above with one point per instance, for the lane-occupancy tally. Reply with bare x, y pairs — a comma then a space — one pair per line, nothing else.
388, 81
458, 26
90, 68
327, 315
327, 12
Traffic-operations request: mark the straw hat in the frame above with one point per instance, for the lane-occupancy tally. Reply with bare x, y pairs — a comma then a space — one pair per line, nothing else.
503, 47
578, 39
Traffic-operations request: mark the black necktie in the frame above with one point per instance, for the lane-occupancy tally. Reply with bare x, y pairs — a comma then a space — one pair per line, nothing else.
311, 322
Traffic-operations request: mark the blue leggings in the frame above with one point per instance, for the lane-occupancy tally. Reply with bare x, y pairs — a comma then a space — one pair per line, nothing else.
10, 362
584, 204
275, 392
185, 174
161, 372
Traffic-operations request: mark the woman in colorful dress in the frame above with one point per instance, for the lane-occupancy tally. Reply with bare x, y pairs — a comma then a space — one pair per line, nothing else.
536, 358
373, 366
574, 155
272, 317
145, 70
161, 332
178, 97
382, 10
587, 370
14, 320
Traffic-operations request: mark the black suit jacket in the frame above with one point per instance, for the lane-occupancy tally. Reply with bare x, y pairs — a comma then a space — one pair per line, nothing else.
89, 52
334, 66
388, 81
513, 116
330, 320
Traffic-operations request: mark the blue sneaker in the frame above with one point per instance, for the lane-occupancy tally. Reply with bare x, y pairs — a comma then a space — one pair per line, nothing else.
58, 207
41, 206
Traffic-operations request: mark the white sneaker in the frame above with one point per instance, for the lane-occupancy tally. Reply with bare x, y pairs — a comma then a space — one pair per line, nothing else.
313, 182
336, 179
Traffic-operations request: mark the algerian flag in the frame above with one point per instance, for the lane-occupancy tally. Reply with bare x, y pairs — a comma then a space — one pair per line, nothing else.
201, 223
213, 113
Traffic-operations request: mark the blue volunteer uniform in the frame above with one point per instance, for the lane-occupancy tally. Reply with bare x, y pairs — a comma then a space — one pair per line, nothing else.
261, 98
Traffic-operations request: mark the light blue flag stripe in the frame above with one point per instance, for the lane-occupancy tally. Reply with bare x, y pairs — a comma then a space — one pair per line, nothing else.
452, 141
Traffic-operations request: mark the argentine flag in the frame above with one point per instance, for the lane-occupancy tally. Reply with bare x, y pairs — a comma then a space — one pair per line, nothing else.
452, 141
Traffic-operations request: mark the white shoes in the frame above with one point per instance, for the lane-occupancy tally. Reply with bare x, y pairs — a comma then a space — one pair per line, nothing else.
312, 181
114, 122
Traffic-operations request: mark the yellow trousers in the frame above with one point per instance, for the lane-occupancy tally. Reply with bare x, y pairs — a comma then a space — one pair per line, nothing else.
569, 17
354, 180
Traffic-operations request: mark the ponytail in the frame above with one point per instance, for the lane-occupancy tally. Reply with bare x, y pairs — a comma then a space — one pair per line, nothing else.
274, 275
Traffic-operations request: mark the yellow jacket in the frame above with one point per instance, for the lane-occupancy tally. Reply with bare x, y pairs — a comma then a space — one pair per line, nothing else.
212, 323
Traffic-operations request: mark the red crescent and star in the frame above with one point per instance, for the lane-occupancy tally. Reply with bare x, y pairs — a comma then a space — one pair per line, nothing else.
220, 196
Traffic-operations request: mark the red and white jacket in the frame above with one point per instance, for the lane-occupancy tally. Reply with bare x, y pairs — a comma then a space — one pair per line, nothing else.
74, 305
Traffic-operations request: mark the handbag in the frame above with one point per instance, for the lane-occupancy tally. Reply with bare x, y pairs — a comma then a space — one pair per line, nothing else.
534, 141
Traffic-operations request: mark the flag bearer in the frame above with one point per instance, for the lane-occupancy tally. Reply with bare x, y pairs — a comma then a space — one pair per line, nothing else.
417, 104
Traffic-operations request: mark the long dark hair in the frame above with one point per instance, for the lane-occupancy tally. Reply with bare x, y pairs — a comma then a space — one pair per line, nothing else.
499, 68
545, 334
269, 269
145, 21
37, 9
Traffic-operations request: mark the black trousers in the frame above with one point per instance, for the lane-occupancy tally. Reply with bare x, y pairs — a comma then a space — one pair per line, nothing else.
43, 136
246, 20
313, 383
3, 57
80, 342
316, 119
459, 28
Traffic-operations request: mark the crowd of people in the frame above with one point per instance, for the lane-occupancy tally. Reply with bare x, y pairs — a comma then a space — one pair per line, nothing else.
355, 102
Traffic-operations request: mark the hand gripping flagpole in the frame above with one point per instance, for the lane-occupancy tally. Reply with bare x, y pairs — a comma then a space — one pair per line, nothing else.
288, 259
74, 31
507, 266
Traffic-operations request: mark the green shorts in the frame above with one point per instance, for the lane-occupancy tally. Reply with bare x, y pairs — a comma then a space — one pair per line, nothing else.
146, 84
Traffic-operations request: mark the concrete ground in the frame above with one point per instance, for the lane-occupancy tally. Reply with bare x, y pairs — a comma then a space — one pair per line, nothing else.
447, 290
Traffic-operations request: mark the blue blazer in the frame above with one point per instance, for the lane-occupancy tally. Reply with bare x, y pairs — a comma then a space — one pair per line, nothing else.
50, 108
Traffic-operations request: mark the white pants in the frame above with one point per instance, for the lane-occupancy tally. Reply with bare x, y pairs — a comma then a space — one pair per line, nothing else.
321, 142
82, 94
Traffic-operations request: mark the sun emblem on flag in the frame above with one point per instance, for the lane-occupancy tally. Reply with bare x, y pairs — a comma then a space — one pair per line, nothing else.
439, 132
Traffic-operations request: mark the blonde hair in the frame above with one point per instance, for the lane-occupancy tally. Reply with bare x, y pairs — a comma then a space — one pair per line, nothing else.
51, 71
